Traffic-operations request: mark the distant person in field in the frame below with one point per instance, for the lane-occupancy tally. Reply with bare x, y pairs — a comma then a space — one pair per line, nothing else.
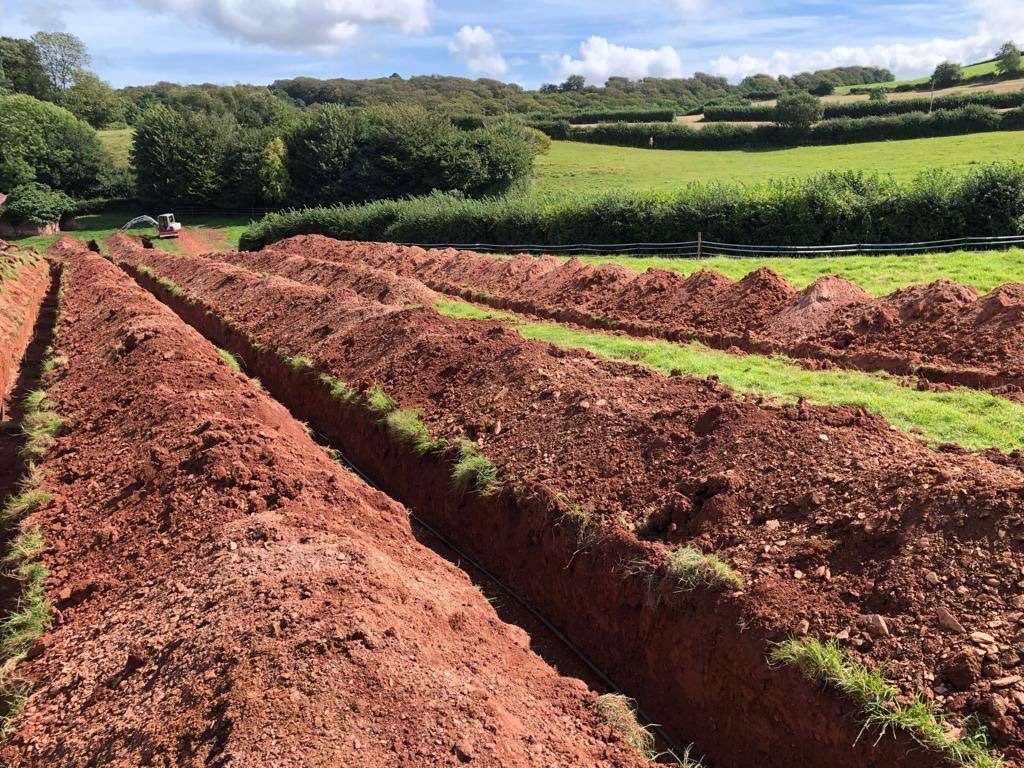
650, 142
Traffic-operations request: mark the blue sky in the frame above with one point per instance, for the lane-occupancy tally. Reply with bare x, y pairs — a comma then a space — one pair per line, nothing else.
526, 41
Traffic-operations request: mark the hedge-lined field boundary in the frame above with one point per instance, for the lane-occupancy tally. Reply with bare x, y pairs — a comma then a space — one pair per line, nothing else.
833, 208
755, 113
724, 136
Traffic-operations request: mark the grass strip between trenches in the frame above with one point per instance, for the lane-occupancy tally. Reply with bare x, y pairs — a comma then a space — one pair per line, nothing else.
971, 418
880, 711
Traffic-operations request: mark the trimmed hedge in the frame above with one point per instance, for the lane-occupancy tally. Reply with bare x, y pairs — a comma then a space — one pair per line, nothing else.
752, 113
720, 136
624, 116
827, 209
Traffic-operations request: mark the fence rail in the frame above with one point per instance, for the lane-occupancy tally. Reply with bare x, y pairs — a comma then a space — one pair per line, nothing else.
700, 248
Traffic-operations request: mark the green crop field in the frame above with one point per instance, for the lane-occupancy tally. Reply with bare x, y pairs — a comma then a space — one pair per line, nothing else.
576, 167
878, 275
118, 143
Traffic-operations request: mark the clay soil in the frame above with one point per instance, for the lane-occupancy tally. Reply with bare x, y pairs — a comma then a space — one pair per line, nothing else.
944, 332
841, 527
227, 595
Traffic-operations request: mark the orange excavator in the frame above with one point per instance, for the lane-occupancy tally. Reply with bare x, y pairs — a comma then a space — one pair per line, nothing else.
165, 225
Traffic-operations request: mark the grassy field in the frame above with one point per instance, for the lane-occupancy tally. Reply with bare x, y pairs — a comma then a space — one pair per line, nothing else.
576, 167
102, 225
118, 143
878, 275
971, 70
967, 417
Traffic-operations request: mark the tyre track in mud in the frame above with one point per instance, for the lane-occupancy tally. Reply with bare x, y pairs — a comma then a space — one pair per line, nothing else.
226, 594
877, 558
942, 333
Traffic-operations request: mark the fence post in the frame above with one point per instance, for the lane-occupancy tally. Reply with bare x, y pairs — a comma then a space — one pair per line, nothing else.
700, 240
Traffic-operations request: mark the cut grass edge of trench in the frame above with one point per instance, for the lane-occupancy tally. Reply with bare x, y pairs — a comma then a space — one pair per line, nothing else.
31, 609
970, 418
881, 712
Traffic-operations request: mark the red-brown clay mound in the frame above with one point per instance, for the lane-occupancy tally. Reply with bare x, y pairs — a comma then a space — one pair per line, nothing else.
942, 332
380, 285
815, 306
831, 516
228, 595
747, 306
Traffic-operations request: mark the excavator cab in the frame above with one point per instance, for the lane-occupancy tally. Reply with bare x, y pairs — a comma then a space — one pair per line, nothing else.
166, 226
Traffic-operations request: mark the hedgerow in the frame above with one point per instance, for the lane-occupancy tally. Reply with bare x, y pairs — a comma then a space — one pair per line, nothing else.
750, 112
826, 209
722, 136
624, 116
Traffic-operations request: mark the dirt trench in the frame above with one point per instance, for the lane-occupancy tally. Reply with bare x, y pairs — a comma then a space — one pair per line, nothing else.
743, 715
226, 594
27, 314
943, 333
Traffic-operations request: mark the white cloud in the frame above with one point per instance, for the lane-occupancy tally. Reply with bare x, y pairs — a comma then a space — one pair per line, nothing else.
476, 48
689, 6
601, 59
298, 25
999, 21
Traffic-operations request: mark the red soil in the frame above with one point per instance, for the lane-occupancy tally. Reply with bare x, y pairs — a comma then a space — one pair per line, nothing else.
833, 518
943, 331
20, 299
226, 594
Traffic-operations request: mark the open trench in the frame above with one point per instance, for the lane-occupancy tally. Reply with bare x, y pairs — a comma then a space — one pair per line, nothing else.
225, 594
687, 665
26, 349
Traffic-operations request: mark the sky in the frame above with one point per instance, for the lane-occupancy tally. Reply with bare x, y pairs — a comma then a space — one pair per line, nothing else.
135, 42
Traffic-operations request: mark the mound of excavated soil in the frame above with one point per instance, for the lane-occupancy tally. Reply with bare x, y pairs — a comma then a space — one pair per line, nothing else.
841, 526
815, 307
957, 336
225, 594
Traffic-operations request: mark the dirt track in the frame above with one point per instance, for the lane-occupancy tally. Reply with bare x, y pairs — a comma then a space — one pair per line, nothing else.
226, 594
944, 333
832, 518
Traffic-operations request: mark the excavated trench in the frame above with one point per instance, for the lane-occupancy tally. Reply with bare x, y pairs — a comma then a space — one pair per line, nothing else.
687, 665
225, 594
23, 354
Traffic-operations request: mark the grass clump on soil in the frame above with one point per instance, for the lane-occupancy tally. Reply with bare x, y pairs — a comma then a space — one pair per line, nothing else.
298, 362
379, 401
40, 424
617, 711
582, 520
229, 360
687, 569
22, 504
828, 664
971, 418
339, 389
407, 425
474, 471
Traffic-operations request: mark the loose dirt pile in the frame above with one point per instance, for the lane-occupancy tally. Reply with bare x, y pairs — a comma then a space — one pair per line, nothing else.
841, 527
943, 331
225, 594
